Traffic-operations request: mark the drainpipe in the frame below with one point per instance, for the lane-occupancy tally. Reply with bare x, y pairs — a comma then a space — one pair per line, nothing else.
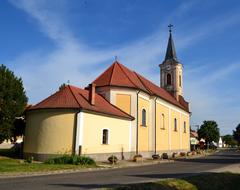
155, 123
137, 125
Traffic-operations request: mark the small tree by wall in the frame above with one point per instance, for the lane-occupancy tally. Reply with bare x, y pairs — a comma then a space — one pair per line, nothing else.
236, 134
209, 131
229, 140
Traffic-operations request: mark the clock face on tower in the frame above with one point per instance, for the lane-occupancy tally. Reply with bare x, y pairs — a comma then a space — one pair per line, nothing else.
168, 67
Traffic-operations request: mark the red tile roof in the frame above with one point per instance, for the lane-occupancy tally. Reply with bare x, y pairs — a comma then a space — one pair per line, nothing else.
194, 134
73, 97
120, 76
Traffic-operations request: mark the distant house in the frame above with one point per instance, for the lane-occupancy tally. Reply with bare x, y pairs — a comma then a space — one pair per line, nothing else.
220, 142
193, 140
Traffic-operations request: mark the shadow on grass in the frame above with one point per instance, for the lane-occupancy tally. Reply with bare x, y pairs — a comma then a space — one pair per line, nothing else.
11, 153
14, 152
185, 181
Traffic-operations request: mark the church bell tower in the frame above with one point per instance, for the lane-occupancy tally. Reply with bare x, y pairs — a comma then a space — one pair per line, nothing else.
171, 70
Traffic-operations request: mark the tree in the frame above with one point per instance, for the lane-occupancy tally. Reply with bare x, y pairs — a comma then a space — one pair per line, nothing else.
62, 86
19, 128
13, 101
209, 131
236, 134
229, 140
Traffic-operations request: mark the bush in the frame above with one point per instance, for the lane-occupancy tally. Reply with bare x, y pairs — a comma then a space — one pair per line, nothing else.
137, 158
174, 155
155, 156
112, 159
164, 156
71, 159
29, 159
189, 153
182, 154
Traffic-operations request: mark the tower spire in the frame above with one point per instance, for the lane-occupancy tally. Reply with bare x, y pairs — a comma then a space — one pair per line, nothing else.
171, 70
171, 52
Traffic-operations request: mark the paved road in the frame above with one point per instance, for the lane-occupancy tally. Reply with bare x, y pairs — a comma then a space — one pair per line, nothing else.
106, 178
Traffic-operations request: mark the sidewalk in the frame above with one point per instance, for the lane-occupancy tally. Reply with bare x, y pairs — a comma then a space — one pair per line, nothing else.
234, 168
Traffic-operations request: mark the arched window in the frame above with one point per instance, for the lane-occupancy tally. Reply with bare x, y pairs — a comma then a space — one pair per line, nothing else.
105, 136
169, 79
163, 122
144, 117
175, 124
180, 80
184, 127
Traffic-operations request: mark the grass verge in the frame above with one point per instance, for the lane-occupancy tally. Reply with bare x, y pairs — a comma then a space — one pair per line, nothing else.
8, 165
207, 181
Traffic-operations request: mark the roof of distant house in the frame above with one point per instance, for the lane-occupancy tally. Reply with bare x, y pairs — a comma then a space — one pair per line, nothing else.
194, 134
74, 97
120, 76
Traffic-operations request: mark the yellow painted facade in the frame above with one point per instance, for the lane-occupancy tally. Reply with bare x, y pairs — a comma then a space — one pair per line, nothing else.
186, 133
50, 131
118, 138
162, 131
123, 101
175, 134
143, 131
166, 138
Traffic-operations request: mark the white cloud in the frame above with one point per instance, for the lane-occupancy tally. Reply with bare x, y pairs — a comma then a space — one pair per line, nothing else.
43, 72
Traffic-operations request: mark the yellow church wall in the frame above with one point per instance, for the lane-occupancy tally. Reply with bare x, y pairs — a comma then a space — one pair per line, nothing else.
143, 131
118, 129
185, 135
49, 131
162, 127
123, 101
175, 135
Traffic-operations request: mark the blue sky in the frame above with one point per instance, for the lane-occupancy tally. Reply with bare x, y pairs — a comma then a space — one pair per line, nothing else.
48, 43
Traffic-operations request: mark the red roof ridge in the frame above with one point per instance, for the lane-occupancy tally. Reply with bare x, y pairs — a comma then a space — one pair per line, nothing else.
76, 98
142, 82
104, 73
115, 106
74, 95
112, 72
154, 93
121, 65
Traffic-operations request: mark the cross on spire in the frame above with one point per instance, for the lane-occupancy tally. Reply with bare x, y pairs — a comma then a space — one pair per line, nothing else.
170, 27
171, 52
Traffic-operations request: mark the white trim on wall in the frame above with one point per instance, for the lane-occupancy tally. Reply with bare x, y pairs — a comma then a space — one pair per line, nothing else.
130, 136
170, 106
180, 129
144, 97
169, 129
79, 132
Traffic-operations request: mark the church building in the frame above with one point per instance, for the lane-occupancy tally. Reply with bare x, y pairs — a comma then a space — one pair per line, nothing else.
120, 113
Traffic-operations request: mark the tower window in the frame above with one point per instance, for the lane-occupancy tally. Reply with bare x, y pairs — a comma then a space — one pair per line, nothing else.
180, 80
169, 79
175, 124
105, 136
144, 117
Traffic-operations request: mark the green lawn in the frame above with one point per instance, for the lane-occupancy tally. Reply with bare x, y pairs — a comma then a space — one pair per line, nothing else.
209, 181
14, 165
